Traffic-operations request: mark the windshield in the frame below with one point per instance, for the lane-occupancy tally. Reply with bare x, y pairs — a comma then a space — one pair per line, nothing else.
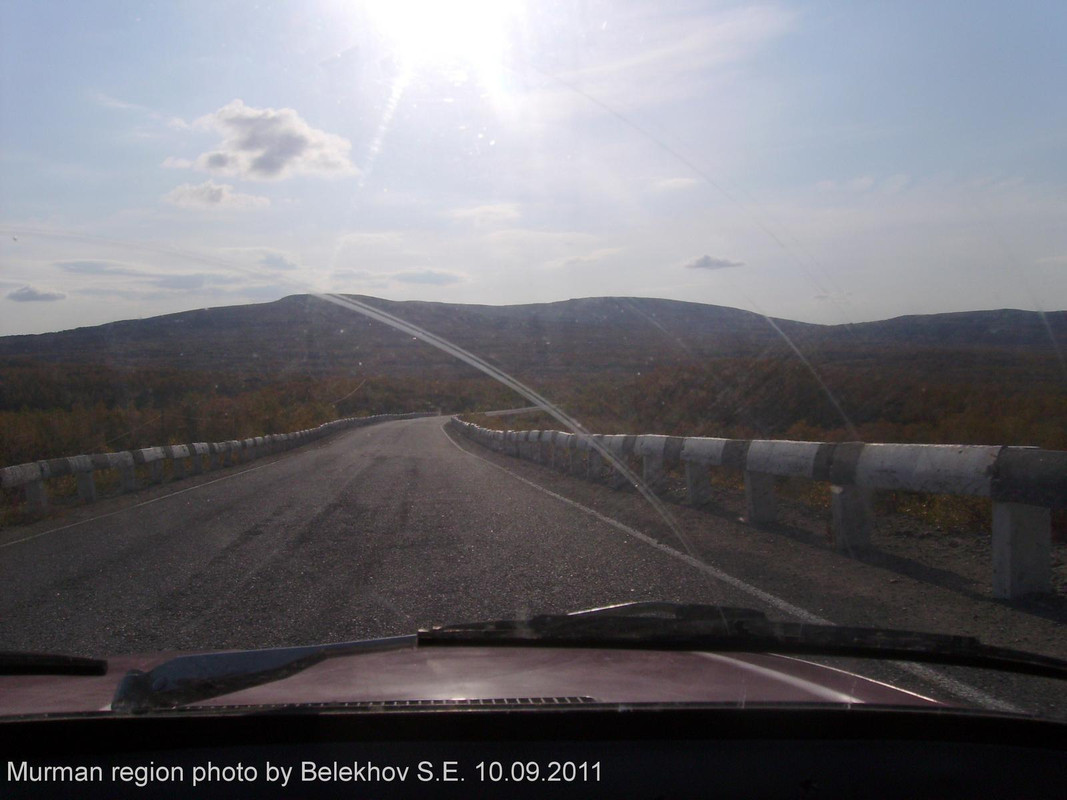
270, 273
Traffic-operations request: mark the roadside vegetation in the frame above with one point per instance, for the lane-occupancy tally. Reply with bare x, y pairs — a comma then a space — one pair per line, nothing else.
924, 397
52, 410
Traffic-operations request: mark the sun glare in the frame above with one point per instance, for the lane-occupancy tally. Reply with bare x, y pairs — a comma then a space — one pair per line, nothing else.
464, 36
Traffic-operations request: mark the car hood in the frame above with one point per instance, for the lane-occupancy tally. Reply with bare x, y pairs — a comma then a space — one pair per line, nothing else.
504, 676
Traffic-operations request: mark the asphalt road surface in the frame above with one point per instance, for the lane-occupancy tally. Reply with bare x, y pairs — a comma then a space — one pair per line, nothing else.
373, 532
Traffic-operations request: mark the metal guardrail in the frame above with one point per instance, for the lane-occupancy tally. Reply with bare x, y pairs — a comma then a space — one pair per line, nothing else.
183, 458
1024, 483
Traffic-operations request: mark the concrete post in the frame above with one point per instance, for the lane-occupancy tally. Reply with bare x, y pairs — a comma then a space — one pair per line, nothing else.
760, 503
653, 473
86, 487
128, 478
594, 465
178, 471
1022, 548
697, 484
36, 496
852, 518
155, 470
616, 479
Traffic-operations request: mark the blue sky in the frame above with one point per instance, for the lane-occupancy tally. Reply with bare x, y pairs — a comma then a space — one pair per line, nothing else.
824, 161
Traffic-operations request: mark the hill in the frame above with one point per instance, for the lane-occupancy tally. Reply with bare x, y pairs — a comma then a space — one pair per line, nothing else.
302, 335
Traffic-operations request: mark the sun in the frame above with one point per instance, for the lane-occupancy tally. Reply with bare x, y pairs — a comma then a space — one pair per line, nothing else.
467, 35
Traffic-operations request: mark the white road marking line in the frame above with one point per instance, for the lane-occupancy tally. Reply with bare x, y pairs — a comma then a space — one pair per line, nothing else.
958, 688
717, 574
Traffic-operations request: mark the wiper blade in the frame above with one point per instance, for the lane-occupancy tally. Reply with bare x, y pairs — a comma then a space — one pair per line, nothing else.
188, 679
669, 626
15, 663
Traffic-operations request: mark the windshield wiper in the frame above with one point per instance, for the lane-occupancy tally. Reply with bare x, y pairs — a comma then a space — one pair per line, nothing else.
653, 626
15, 663
188, 679
670, 626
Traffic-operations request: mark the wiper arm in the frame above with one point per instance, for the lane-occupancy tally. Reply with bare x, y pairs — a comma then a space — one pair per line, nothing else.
668, 626
15, 663
188, 679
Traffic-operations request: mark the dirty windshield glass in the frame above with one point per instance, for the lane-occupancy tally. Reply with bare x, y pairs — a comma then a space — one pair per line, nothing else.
332, 320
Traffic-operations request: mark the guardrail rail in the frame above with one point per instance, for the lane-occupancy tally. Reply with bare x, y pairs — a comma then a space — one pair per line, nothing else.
1024, 483
184, 459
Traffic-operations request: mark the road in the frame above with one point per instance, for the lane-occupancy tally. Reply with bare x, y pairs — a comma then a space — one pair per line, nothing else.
380, 530
371, 533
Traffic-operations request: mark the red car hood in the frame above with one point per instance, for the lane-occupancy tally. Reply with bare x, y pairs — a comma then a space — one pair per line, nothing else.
529, 674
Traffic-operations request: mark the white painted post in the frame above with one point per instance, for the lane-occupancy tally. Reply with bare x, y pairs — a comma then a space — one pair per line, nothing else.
697, 483
760, 504
1022, 543
32, 476
544, 449
852, 518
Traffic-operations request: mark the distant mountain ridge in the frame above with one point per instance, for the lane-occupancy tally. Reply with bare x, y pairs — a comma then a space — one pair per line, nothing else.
301, 334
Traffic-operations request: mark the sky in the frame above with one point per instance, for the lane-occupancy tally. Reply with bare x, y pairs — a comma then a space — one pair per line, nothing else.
830, 162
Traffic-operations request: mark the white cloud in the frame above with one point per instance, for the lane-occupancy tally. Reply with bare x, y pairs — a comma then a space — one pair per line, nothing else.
675, 184
95, 267
278, 261
213, 195
707, 262
434, 277
382, 280
270, 144
896, 183
118, 278
586, 259
488, 214
264, 257
29, 294
181, 282
862, 184
107, 101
